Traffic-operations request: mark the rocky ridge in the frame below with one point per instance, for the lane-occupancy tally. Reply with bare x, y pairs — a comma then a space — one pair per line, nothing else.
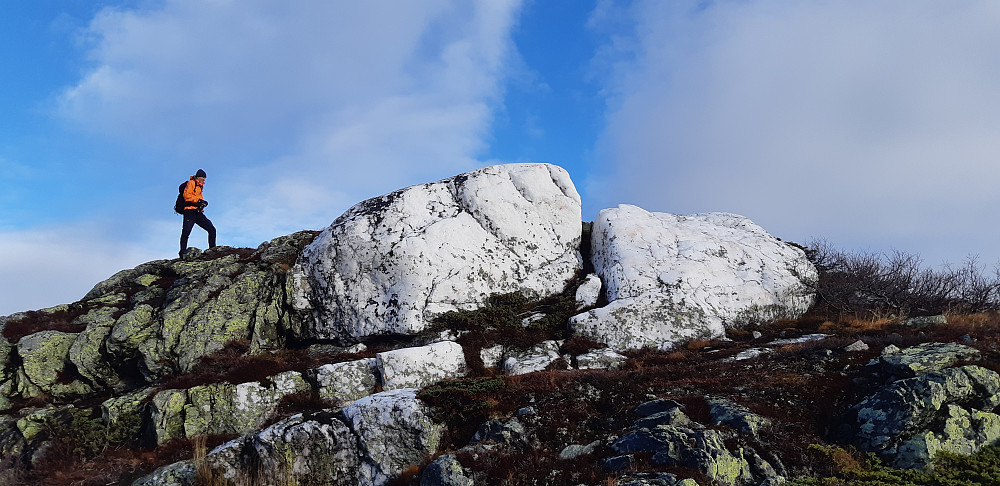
371, 325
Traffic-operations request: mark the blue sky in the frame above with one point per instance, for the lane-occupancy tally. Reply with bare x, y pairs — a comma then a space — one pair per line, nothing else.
872, 125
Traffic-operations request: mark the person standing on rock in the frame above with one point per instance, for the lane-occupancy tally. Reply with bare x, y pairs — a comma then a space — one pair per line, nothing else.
194, 211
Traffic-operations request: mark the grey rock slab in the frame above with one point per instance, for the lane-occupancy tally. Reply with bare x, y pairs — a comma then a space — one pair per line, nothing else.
348, 381
445, 471
395, 431
924, 358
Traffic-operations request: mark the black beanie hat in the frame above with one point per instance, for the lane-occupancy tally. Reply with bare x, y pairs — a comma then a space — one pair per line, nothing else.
200, 173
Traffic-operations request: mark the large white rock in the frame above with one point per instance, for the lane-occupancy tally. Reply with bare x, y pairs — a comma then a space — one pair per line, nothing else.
671, 278
536, 358
420, 366
392, 263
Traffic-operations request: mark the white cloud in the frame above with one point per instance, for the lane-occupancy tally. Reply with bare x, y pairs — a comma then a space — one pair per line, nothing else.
868, 123
43, 267
297, 110
350, 99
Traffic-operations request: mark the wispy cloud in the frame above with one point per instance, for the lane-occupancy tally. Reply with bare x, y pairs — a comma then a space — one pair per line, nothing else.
296, 109
872, 123
47, 266
356, 98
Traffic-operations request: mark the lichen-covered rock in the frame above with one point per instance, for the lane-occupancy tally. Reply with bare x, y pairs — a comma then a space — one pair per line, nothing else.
167, 415
182, 310
924, 358
673, 439
44, 359
346, 382
671, 278
217, 306
181, 473
725, 412
87, 355
390, 264
129, 332
704, 450
654, 479
32, 424
220, 408
536, 358
120, 407
315, 448
395, 431
914, 418
223, 408
6, 387
420, 366
445, 471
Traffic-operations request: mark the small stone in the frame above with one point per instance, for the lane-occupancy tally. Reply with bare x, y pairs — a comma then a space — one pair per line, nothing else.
575, 450
856, 346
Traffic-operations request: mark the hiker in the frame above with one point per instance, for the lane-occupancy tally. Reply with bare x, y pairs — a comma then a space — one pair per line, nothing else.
194, 211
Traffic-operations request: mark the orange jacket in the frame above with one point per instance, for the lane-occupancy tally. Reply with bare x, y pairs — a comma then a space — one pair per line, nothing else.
192, 194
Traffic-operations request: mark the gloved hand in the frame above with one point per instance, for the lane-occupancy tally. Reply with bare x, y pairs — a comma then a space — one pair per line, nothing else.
202, 204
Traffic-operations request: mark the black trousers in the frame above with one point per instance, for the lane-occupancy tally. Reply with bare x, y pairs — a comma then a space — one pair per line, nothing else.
194, 217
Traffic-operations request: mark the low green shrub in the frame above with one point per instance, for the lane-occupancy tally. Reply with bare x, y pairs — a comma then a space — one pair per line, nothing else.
79, 434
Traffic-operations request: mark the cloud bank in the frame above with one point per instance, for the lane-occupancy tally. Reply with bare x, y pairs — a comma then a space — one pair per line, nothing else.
872, 124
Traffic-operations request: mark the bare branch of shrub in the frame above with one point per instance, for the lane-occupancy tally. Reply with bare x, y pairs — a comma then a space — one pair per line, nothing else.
878, 285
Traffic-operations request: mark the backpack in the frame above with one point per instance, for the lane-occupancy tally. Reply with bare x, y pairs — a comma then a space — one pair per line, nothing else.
180, 202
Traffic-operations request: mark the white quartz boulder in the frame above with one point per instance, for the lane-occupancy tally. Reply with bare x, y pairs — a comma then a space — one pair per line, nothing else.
392, 263
589, 292
670, 278
536, 358
420, 366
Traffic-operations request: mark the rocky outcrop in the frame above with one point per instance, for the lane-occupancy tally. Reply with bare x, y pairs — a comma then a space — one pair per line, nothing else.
935, 409
673, 439
220, 408
156, 319
671, 278
391, 264
358, 298
366, 443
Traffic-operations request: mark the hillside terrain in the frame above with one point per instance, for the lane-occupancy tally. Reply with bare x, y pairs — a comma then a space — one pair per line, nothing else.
429, 337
